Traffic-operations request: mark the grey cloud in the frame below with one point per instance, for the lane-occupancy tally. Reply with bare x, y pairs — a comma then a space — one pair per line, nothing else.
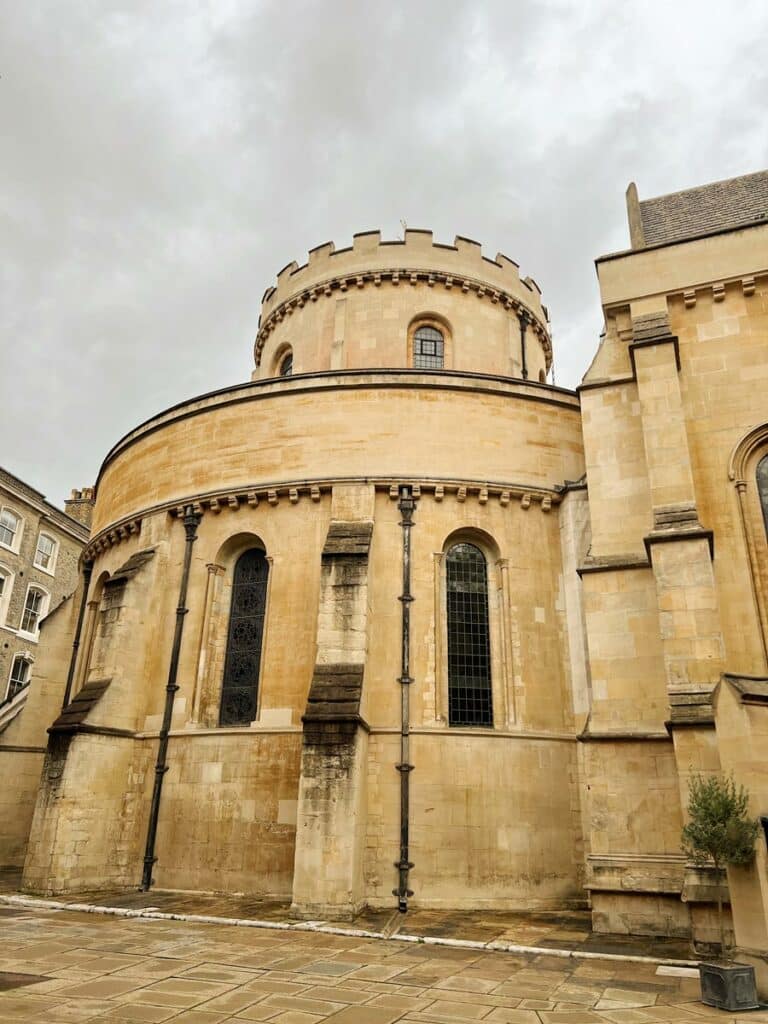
161, 162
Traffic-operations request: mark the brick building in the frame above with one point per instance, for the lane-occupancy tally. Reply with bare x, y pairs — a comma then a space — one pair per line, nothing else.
40, 547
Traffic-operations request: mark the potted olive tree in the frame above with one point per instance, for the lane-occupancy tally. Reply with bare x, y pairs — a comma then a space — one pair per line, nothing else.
720, 831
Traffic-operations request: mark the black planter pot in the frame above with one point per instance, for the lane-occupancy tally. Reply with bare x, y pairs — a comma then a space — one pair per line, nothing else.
728, 986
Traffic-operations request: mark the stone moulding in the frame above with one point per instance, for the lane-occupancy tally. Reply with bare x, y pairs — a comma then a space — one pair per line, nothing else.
636, 873
251, 495
612, 563
111, 535
393, 275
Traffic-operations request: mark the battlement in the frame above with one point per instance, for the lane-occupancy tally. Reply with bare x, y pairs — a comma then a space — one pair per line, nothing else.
368, 254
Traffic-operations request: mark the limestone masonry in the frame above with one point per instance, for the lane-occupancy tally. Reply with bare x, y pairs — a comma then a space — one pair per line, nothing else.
399, 623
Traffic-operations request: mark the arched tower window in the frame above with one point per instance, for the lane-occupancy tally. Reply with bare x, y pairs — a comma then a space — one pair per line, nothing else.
762, 487
469, 648
285, 368
240, 686
428, 349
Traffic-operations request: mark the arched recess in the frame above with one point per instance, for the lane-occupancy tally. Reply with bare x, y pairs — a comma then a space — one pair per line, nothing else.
215, 629
498, 625
88, 638
748, 466
435, 323
282, 362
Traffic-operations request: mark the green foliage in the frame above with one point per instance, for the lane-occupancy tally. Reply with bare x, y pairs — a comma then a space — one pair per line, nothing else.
720, 828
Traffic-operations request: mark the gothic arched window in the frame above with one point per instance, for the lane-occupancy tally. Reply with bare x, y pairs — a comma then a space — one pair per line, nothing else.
240, 686
428, 349
469, 645
762, 487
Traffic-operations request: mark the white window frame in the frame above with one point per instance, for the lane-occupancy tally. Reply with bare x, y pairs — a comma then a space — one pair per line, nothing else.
51, 568
5, 598
19, 529
44, 605
19, 656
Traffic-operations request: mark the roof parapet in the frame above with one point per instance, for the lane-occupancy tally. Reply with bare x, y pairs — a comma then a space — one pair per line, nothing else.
417, 251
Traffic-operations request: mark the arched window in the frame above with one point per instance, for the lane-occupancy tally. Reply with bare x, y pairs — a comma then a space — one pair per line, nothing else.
9, 527
762, 487
19, 676
428, 349
469, 648
239, 689
285, 368
35, 607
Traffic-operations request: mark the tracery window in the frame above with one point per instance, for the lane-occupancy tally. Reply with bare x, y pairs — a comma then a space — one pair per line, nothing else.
239, 690
469, 648
762, 487
428, 349
9, 525
19, 676
34, 609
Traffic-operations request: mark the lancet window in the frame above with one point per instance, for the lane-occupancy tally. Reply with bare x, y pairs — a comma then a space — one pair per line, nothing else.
240, 686
469, 648
762, 487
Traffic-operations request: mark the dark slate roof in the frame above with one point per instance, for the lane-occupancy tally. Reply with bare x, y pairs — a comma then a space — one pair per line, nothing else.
732, 203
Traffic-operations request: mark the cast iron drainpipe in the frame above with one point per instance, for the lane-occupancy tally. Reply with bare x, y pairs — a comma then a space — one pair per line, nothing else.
524, 321
191, 521
87, 570
406, 506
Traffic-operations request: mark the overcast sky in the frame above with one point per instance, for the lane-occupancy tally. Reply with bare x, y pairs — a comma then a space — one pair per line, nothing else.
162, 160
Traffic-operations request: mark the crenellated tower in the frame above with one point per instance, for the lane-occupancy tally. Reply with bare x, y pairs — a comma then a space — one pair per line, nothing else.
360, 307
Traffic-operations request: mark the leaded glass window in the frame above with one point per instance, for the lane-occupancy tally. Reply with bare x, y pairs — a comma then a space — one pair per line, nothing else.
428, 349
469, 647
240, 686
19, 677
762, 487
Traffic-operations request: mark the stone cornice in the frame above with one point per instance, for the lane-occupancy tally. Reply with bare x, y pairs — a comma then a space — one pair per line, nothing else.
407, 276
292, 492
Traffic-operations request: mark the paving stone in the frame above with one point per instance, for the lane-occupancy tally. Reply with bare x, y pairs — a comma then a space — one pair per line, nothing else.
457, 1011
109, 988
139, 1014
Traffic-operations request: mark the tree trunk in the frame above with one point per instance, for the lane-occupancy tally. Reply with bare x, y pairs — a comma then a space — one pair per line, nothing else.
720, 924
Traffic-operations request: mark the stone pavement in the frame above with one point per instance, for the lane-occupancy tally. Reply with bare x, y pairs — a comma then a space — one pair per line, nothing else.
63, 967
562, 929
